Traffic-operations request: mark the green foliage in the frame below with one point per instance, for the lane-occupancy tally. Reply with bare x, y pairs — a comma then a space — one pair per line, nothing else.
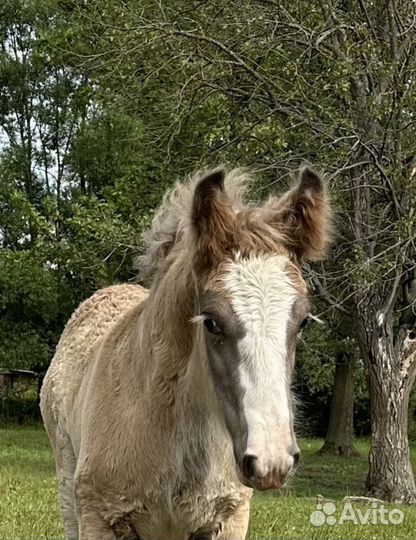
20, 408
77, 183
316, 359
29, 310
314, 378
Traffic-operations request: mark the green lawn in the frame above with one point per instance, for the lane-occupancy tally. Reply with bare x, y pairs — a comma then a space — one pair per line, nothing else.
29, 506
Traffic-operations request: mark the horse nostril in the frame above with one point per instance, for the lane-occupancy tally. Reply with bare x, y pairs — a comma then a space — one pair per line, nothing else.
249, 466
296, 458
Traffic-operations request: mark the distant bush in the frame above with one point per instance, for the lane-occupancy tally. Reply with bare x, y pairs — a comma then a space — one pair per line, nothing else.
20, 403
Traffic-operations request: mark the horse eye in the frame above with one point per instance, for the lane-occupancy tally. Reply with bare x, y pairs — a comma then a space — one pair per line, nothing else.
211, 326
305, 322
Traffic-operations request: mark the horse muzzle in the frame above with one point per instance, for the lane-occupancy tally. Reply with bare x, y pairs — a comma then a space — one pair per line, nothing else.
273, 478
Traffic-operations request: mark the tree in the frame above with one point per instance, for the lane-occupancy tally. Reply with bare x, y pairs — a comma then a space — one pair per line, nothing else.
340, 435
76, 185
339, 439
330, 379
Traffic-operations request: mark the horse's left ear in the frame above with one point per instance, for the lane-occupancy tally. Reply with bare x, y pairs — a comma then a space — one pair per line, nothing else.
303, 214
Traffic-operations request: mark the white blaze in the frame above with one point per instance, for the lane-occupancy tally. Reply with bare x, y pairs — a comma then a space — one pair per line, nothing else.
262, 298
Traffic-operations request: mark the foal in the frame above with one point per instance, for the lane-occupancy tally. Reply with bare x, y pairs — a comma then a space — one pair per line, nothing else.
166, 407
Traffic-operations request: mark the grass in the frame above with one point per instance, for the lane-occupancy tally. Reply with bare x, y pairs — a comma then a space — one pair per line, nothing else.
29, 506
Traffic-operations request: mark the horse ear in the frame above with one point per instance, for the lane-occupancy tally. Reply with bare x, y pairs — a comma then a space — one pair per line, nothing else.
304, 215
212, 218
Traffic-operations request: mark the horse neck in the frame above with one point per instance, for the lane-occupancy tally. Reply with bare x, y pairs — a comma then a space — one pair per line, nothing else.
176, 368
165, 334
166, 331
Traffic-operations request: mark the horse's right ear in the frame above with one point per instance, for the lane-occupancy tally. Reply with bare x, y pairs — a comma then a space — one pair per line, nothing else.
212, 219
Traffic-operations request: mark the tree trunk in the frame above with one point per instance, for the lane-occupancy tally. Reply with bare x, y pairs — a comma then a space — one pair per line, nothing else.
390, 475
391, 375
340, 434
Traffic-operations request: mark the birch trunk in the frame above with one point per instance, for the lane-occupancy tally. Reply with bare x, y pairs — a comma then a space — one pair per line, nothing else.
391, 374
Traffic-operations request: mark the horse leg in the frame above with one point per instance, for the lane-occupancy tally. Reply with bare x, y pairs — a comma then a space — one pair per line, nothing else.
92, 526
65, 468
231, 528
236, 525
